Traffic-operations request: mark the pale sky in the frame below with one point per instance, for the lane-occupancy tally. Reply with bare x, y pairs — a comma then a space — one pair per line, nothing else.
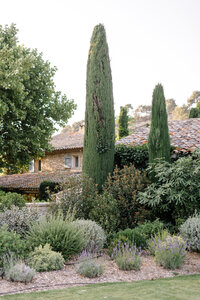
150, 42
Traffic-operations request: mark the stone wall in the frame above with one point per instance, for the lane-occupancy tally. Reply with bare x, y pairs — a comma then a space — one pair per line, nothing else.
42, 207
56, 161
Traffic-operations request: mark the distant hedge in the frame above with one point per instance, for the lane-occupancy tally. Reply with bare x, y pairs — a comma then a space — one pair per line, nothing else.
136, 155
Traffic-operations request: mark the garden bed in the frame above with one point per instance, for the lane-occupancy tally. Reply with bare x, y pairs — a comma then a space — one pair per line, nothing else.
69, 277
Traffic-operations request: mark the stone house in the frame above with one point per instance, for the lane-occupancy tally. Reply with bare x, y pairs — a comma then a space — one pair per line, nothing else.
67, 154
66, 157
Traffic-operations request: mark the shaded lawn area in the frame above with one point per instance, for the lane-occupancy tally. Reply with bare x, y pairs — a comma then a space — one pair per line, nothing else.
177, 288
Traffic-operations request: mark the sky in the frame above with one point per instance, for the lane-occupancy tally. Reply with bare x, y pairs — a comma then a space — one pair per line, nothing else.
150, 42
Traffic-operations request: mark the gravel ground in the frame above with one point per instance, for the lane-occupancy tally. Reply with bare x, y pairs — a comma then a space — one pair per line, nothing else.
69, 277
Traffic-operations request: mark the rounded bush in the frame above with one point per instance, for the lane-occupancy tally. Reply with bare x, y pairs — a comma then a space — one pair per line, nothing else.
20, 273
92, 233
171, 253
190, 232
44, 259
9, 199
10, 242
90, 269
63, 236
19, 220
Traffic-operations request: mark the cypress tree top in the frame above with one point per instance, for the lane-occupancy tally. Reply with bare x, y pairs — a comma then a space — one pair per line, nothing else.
99, 137
159, 141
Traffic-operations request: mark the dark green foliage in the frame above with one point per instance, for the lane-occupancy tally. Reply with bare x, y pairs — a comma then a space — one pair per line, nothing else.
99, 137
136, 155
139, 235
159, 141
46, 188
106, 212
194, 113
175, 193
123, 122
30, 106
9, 199
61, 235
10, 242
124, 186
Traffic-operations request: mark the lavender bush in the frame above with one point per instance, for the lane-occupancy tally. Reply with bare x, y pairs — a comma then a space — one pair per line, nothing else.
171, 253
158, 238
88, 266
127, 257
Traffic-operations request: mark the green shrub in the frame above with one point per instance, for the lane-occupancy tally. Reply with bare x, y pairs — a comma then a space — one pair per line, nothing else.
46, 188
171, 253
88, 266
135, 155
124, 186
19, 220
77, 196
10, 242
175, 192
158, 238
92, 233
127, 257
44, 259
105, 212
60, 234
20, 272
190, 232
140, 234
116, 242
9, 199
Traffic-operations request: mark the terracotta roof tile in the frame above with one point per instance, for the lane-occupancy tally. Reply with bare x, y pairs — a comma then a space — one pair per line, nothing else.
31, 181
67, 141
184, 134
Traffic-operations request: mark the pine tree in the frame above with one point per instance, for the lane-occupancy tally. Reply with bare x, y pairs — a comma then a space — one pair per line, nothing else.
123, 122
99, 137
159, 141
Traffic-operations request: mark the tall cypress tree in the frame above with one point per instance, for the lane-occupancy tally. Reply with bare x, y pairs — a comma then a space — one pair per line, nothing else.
123, 122
159, 141
99, 137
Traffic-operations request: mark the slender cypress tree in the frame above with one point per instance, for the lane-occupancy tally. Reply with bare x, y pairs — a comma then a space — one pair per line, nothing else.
159, 141
99, 137
123, 122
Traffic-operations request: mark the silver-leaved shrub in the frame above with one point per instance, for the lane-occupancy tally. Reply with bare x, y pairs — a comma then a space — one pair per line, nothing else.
190, 232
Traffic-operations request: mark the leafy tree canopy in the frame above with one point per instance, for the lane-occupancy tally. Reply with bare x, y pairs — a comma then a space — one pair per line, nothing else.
29, 104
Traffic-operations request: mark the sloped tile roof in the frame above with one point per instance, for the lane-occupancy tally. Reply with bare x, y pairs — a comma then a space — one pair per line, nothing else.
31, 181
184, 135
67, 141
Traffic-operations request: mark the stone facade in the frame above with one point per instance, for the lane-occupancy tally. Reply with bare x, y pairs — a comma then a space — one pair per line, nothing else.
70, 159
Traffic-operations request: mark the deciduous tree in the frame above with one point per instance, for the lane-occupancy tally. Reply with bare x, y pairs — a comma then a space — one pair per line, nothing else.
29, 104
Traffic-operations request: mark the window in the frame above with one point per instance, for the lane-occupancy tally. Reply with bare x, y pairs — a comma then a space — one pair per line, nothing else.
76, 161
68, 162
39, 165
31, 166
